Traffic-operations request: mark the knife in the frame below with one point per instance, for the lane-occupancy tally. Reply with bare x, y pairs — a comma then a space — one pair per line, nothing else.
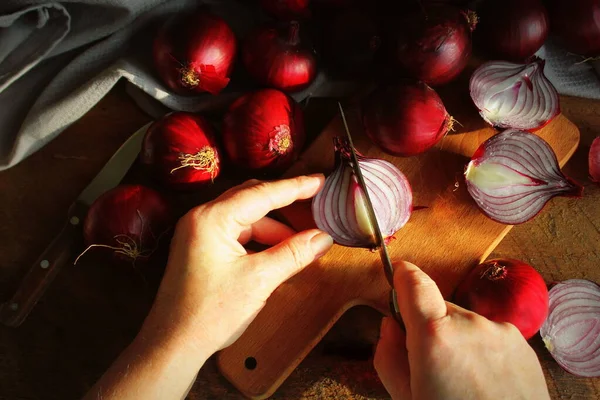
60, 251
379, 239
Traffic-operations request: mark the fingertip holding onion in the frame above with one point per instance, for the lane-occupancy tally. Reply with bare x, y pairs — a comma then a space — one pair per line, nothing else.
506, 290
181, 150
129, 221
340, 209
513, 175
594, 160
434, 43
571, 333
512, 29
263, 131
195, 53
510, 95
276, 57
406, 118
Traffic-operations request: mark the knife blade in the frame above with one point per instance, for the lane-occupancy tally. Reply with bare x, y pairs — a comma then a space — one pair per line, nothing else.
60, 251
379, 239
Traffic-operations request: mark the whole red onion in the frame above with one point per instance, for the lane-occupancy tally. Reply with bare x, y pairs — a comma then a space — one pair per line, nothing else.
276, 57
512, 29
263, 131
577, 23
182, 151
195, 53
286, 9
405, 118
434, 44
128, 220
506, 290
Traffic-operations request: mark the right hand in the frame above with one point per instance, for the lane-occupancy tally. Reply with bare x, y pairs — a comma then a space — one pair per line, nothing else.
450, 353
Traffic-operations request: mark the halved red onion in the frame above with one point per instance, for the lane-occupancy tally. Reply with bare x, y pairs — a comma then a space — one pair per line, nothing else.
571, 332
594, 160
339, 208
514, 174
512, 95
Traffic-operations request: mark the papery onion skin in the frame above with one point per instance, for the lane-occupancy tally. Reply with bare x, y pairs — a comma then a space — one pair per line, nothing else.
339, 208
276, 57
287, 10
510, 95
506, 290
405, 118
571, 332
513, 175
263, 131
181, 149
434, 44
130, 219
512, 29
195, 53
577, 24
594, 160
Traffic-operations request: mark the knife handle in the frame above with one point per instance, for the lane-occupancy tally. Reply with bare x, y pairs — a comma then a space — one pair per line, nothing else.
44, 270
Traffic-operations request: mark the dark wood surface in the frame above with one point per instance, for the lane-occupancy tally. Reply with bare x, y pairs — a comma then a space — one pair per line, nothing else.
93, 310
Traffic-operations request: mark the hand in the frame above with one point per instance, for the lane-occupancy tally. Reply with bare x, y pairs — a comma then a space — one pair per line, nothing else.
212, 287
448, 352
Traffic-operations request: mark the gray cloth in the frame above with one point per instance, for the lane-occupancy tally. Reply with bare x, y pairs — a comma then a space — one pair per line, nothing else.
57, 60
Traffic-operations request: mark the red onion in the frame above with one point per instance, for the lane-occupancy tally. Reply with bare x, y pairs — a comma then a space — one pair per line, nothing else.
129, 220
506, 290
434, 45
181, 148
353, 40
594, 160
264, 131
405, 118
195, 53
512, 29
286, 9
514, 174
339, 207
572, 331
514, 95
577, 23
275, 57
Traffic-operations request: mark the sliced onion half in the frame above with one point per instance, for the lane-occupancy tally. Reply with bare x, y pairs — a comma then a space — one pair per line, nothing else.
572, 330
512, 95
514, 174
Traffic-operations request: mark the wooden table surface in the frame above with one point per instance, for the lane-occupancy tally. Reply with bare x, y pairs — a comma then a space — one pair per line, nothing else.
91, 312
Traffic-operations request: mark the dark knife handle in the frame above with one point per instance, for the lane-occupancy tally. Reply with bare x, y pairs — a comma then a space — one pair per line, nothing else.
44, 270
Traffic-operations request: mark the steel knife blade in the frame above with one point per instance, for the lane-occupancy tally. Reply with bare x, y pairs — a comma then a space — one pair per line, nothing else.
60, 251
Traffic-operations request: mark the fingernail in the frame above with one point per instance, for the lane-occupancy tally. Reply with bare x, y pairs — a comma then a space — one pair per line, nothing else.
320, 244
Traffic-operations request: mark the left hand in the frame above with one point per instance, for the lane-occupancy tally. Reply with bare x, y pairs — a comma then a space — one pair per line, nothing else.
213, 288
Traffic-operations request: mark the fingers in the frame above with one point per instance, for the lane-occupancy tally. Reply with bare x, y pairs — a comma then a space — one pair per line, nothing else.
419, 298
282, 261
391, 359
253, 202
266, 231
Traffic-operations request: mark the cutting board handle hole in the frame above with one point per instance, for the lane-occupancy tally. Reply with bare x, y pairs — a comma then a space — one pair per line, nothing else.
250, 363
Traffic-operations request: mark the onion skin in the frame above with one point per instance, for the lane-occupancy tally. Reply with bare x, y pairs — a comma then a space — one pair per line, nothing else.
577, 24
506, 290
286, 10
275, 57
512, 30
434, 45
405, 118
181, 150
594, 160
130, 219
263, 131
195, 53
340, 209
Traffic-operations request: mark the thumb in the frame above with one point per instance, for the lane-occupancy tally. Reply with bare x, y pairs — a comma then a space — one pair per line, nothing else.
290, 256
391, 360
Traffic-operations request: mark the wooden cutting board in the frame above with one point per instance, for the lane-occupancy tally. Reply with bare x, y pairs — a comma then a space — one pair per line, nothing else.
446, 239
